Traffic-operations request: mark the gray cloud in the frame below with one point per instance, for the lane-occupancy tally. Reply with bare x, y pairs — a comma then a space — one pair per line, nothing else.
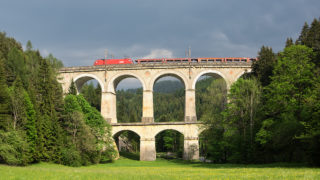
78, 31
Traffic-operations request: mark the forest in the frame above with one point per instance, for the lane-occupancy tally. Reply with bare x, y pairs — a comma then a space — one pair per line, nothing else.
37, 123
269, 115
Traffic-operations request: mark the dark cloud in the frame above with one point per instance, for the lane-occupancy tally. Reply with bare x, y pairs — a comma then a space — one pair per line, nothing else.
78, 31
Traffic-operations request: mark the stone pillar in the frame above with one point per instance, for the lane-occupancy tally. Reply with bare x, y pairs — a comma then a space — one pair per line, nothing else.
190, 106
147, 149
191, 148
147, 107
109, 107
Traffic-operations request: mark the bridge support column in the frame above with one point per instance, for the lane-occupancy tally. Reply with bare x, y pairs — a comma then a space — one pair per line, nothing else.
147, 110
108, 107
190, 106
147, 149
191, 148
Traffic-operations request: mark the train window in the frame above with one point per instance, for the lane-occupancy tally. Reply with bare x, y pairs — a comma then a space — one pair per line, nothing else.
211, 60
251, 60
218, 60
185, 60
229, 60
194, 60
203, 60
177, 60
236, 60
243, 60
170, 61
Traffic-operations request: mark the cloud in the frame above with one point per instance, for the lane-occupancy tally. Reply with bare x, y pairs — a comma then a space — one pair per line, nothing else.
159, 53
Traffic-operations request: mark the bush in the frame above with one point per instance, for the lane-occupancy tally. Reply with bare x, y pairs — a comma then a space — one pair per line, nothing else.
71, 157
14, 150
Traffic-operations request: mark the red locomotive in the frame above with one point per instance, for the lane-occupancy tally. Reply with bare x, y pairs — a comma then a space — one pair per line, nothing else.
172, 60
112, 61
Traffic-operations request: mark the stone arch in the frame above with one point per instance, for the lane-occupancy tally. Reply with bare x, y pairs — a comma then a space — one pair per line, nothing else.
119, 77
125, 129
242, 73
176, 74
161, 130
83, 78
209, 72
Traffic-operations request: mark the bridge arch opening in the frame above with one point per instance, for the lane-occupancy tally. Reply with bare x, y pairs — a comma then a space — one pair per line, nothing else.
169, 144
129, 96
168, 98
90, 87
211, 96
128, 144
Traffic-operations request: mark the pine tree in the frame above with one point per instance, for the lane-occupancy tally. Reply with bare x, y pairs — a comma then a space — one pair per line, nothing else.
50, 106
72, 89
262, 68
30, 126
5, 102
289, 42
302, 40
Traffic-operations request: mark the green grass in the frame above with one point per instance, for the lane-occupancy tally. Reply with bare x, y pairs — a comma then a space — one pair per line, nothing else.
160, 169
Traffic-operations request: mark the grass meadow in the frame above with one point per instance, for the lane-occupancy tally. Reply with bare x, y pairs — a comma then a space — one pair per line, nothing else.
125, 168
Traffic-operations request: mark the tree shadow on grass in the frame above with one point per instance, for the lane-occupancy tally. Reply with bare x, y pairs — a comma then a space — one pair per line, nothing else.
132, 156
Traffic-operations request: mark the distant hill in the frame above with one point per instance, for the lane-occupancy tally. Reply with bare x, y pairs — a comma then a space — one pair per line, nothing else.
166, 86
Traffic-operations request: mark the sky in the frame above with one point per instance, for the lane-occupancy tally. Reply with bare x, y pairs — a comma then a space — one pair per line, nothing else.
78, 32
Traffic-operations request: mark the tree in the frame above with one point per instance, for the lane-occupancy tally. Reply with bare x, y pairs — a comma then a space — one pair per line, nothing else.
50, 107
5, 102
240, 118
72, 88
303, 35
289, 42
292, 83
262, 69
30, 126
18, 108
212, 102
15, 66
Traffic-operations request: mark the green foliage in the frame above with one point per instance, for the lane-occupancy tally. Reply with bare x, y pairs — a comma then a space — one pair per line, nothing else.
34, 121
170, 141
129, 105
92, 95
292, 85
5, 102
18, 109
289, 42
13, 148
211, 101
262, 69
72, 89
88, 134
240, 118
310, 37
30, 126
169, 101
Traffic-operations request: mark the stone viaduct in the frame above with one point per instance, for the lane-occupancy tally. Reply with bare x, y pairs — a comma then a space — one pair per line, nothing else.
109, 77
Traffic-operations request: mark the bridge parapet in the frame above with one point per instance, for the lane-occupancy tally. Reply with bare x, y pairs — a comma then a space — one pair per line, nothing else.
154, 66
